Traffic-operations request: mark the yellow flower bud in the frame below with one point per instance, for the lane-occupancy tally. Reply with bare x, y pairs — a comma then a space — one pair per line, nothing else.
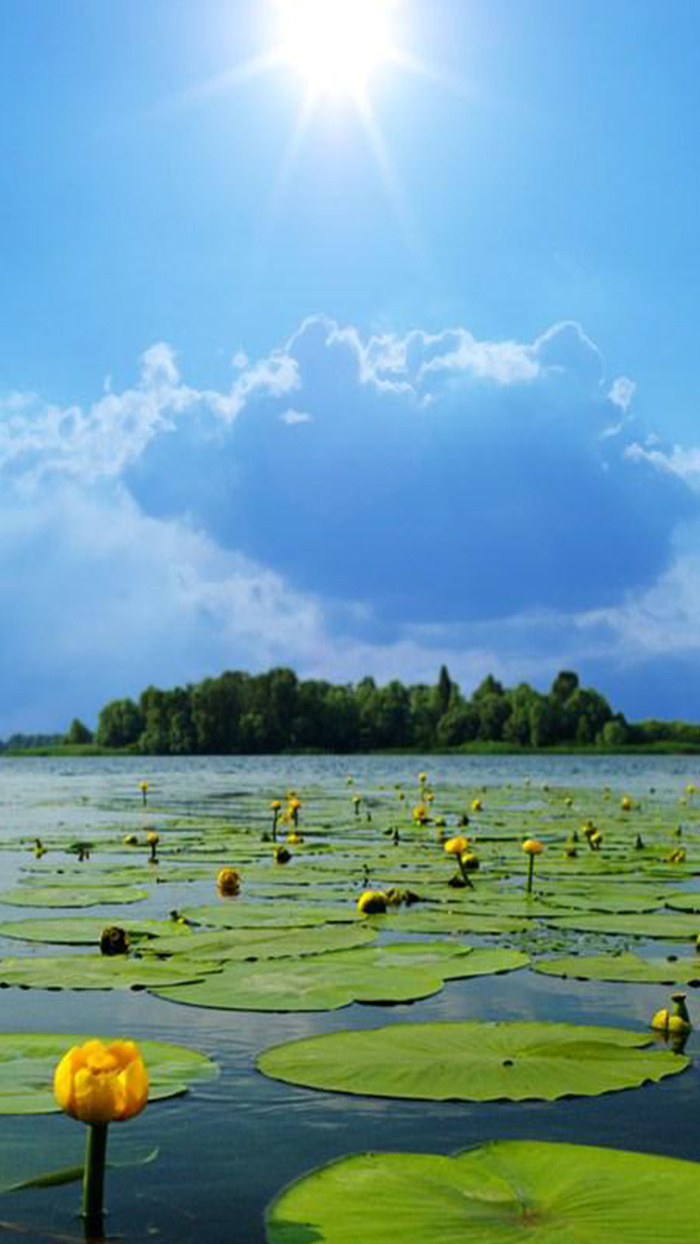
100, 1083
228, 881
372, 902
457, 846
153, 838
533, 846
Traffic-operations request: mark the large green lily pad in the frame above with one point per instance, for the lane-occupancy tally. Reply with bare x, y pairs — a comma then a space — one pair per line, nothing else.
400, 972
99, 972
608, 899
59, 896
669, 925
500, 1193
86, 930
445, 920
249, 944
27, 1062
625, 967
473, 1062
237, 914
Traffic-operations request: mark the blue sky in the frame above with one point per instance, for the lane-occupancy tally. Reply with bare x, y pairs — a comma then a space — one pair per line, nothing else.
402, 391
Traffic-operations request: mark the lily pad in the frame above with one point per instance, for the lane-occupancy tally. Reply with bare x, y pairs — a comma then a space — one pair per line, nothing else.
504, 1191
28, 1060
473, 1062
237, 914
626, 967
399, 972
250, 944
98, 972
676, 927
85, 930
51, 896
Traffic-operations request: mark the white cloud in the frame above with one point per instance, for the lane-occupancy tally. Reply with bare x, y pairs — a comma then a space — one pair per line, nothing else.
621, 393
292, 417
684, 463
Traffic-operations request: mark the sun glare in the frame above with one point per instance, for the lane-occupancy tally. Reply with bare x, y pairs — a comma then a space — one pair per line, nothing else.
335, 45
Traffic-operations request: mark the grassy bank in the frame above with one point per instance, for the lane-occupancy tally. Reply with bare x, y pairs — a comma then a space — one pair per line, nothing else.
663, 747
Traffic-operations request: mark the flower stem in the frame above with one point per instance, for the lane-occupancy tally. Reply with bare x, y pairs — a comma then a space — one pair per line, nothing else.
465, 875
530, 872
94, 1179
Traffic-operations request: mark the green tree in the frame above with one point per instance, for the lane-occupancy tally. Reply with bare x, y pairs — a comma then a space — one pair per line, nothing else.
119, 724
443, 691
564, 685
78, 733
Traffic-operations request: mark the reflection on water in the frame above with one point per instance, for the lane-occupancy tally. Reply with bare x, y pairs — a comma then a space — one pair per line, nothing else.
230, 1145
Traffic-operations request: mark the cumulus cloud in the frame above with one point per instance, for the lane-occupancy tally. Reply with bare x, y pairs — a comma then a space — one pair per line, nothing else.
449, 498
498, 496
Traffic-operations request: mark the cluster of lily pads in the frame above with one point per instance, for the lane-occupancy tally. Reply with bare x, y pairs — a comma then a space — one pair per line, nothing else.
332, 898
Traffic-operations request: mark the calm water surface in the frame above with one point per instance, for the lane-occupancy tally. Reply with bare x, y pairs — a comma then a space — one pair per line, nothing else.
229, 1146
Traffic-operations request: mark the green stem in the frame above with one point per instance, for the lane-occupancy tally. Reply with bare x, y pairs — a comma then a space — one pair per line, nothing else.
94, 1179
530, 872
465, 874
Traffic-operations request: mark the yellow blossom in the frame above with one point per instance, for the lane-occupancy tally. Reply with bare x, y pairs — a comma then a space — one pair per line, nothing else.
372, 902
100, 1083
533, 846
228, 881
457, 846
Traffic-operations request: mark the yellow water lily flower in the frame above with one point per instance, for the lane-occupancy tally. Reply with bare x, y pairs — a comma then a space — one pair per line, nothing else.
228, 881
533, 846
477, 805
372, 902
100, 1083
675, 1022
457, 846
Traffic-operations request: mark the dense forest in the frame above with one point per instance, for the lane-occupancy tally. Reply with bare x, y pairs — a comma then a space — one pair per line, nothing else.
277, 711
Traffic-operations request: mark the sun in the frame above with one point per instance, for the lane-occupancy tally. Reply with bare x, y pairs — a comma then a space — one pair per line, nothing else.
335, 45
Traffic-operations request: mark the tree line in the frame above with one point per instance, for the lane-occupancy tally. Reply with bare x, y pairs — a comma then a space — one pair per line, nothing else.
277, 711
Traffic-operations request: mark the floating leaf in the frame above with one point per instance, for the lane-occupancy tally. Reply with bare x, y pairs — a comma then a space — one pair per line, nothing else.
98, 972
394, 973
505, 1191
626, 967
58, 896
28, 1061
238, 914
674, 927
266, 944
85, 930
473, 1062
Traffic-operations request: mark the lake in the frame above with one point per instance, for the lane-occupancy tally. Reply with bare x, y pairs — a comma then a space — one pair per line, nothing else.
228, 1146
